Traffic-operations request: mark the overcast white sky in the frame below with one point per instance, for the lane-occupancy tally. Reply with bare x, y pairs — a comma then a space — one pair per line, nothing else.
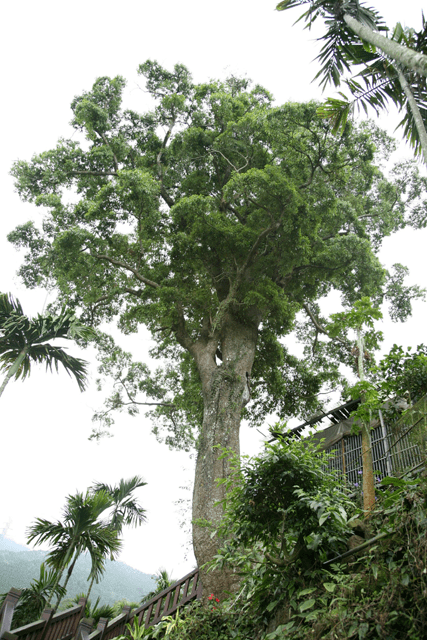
50, 52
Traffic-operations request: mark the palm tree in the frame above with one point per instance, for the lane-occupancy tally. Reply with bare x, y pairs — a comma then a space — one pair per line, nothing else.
365, 23
125, 511
353, 37
163, 580
81, 531
25, 340
33, 599
94, 611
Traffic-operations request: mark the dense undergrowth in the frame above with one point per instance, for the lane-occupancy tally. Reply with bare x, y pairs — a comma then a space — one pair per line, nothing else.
284, 518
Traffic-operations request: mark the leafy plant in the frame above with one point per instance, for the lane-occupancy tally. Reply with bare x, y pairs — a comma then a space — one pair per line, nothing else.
35, 598
94, 611
24, 341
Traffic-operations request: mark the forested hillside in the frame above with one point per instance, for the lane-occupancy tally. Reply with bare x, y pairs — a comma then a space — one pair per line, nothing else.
19, 568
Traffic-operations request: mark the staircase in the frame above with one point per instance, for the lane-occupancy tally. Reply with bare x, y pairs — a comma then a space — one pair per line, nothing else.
71, 625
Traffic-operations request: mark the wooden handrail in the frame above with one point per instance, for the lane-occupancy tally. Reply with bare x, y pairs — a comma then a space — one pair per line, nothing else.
151, 612
179, 593
68, 625
58, 626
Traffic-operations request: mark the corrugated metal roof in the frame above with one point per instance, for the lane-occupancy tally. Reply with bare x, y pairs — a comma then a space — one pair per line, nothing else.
334, 415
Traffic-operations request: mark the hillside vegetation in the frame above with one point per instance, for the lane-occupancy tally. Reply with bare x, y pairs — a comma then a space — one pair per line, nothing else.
287, 522
18, 569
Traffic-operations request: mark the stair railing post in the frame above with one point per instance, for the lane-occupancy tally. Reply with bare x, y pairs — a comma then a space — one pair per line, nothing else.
46, 616
7, 609
84, 629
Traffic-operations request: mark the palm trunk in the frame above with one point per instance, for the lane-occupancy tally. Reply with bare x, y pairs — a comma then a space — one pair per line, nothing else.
368, 484
69, 572
14, 368
418, 119
59, 576
90, 588
225, 392
407, 58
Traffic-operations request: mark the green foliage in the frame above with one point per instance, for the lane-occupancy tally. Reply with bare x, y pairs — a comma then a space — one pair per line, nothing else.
163, 580
284, 514
34, 598
119, 604
336, 53
25, 340
136, 631
197, 621
378, 593
126, 510
213, 208
285, 501
81, 531
381, 78
94, 611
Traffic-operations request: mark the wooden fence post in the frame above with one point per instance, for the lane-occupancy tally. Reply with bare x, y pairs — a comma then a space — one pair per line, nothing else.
46, 616
7, 609
84, 629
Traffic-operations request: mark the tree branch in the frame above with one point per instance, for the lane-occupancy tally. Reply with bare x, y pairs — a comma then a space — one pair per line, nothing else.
119, 263
150, 404
104, 139
94, 173
181, 332
321, 329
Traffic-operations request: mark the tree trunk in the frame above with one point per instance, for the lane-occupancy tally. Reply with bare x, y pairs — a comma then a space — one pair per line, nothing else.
407, 58
69, 572
416, 113
368, 484
90, 588
225, 393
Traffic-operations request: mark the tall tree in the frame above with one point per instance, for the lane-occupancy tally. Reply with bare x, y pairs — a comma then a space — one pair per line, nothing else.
396, 71
81, 531
24, 341
212, 220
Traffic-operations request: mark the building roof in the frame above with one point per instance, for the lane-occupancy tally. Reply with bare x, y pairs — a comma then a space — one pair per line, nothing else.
336, 416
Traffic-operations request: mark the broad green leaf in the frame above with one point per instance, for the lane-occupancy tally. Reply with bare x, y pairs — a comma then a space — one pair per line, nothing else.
307, 604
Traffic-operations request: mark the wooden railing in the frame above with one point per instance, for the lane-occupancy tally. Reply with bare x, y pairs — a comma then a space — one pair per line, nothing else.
165, 603
70, 624
58, 626
7, 609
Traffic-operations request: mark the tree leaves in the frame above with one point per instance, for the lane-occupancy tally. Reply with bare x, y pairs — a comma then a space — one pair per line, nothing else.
210, 207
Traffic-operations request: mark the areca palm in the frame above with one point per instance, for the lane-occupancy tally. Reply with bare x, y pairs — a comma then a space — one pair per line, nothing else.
125, 511
81, 531
33, 598
395, 68
25, 340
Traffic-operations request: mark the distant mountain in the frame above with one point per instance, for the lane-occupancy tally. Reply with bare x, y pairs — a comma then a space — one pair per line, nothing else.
9, 545
19, 565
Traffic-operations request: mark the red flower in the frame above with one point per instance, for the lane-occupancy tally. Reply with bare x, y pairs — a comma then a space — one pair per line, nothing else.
211, 596
216, 599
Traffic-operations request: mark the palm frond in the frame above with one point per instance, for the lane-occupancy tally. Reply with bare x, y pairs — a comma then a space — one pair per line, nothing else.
28, 338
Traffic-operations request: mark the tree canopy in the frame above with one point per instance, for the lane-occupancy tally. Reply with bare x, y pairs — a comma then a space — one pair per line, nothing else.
212, 201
